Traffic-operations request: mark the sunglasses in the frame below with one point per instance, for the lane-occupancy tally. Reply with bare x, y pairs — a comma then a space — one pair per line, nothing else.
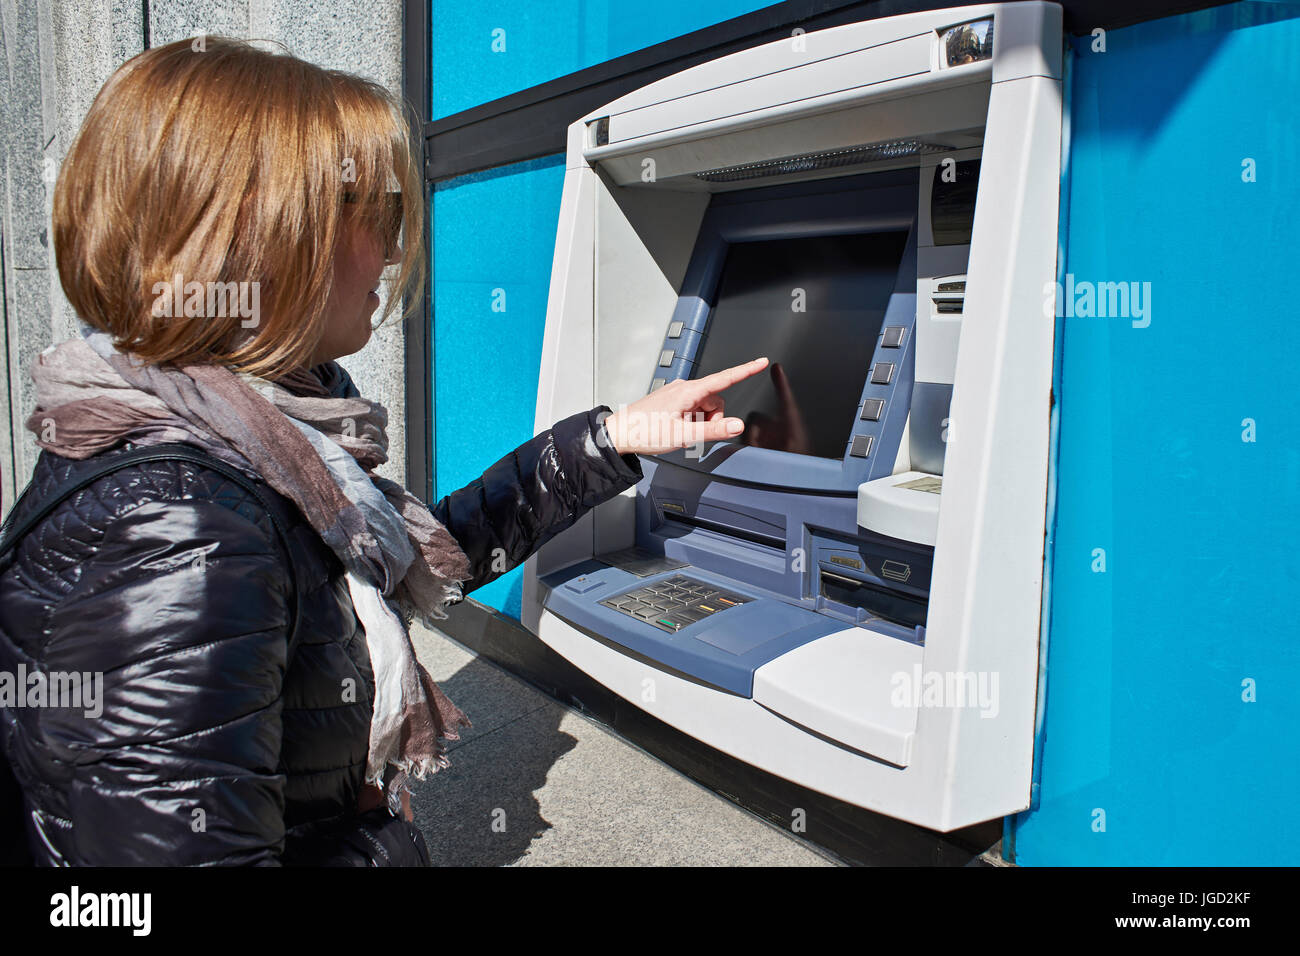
391, 219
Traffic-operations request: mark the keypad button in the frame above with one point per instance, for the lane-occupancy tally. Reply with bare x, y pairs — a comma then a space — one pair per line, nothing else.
675, 602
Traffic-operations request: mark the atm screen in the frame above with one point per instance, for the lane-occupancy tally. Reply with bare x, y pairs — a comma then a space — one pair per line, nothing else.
814, 307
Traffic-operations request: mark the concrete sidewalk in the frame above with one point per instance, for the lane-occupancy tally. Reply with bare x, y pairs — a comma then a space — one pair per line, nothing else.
534, 783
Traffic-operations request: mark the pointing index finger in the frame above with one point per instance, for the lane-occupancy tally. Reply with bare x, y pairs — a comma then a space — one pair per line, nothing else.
728, 377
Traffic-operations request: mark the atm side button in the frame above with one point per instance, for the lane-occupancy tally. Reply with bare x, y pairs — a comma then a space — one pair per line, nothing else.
861, 446
872, 409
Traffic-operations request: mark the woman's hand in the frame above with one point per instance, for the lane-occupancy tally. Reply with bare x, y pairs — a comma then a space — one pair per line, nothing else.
680, 414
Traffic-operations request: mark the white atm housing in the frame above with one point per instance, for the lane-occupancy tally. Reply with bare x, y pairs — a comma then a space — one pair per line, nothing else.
833, 714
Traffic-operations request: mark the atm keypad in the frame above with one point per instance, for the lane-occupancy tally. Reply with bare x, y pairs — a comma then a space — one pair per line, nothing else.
675, 603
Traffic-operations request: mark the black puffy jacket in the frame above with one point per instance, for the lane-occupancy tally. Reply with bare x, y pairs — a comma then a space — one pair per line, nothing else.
217, 743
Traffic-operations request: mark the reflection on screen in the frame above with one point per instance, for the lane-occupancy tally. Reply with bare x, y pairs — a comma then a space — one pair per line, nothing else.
814, 307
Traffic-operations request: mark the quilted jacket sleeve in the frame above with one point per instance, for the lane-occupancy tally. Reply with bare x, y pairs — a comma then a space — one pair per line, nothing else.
535, 492
179, 764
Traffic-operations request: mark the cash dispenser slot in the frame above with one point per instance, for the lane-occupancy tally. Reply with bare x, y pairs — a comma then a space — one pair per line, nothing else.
876, 583
878, 601
686, 522
683, 511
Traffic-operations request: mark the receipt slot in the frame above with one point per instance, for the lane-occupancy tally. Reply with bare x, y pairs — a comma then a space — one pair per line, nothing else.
849, 594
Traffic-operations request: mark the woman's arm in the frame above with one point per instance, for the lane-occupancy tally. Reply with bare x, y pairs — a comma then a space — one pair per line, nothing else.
549, 482
530, 495
535, 492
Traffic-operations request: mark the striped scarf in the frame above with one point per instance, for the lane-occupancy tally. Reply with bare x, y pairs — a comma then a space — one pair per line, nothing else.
317, 450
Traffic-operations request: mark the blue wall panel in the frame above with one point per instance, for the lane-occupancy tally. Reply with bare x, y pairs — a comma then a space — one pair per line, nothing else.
1149, 659
491, 231
483, 51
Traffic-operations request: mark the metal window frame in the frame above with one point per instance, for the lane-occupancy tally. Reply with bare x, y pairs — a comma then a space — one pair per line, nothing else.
418, 338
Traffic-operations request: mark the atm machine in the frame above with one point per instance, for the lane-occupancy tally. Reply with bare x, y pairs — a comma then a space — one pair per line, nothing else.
849, 594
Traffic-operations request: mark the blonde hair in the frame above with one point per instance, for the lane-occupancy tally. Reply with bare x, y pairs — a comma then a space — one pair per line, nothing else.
219, 162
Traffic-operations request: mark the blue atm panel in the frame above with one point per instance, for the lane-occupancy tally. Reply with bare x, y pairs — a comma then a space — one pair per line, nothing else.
722, 649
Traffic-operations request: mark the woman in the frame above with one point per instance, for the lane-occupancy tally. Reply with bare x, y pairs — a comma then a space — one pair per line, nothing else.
236, 601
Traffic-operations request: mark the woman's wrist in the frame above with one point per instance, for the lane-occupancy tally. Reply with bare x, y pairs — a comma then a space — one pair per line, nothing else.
609, 433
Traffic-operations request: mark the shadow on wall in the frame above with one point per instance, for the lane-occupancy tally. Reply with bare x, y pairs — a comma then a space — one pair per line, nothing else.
1184, 55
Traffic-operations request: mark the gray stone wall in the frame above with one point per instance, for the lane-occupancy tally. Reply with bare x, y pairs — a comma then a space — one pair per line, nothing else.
56, 56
